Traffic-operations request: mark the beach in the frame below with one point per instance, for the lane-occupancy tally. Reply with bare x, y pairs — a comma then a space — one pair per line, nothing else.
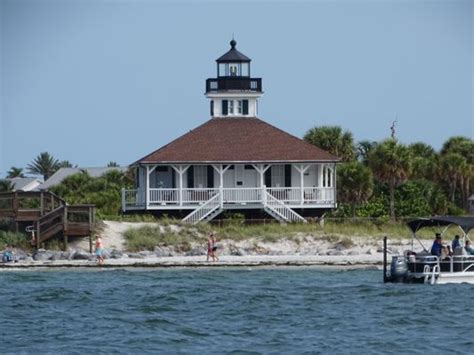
297, 250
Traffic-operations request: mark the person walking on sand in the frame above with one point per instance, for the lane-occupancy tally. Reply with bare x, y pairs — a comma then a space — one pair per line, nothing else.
214, 248
209, 248
99, 251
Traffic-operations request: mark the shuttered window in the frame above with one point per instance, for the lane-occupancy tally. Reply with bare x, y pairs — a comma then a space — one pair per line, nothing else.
287, 175
210, 176
225, 107
190, 177
212, 107
245, 106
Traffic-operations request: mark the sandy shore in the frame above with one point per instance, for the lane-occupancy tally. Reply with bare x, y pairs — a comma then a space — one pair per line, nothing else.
348, 261
300, 250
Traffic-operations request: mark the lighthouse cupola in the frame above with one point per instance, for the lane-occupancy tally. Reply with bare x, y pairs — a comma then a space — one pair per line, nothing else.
233, 93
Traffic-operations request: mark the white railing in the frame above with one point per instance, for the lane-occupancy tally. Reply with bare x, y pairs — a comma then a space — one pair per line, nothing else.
320, 195
286, 194
135, 198
203, 211
242, 195
132, 198
282, 210
164, 196
198, 195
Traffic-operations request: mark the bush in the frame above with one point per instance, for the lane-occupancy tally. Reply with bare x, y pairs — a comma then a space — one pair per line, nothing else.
17, 240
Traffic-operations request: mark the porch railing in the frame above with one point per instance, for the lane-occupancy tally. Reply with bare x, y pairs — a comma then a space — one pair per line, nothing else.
242, 195
323, 195
198, 195
245, 195
164, 196
286, 194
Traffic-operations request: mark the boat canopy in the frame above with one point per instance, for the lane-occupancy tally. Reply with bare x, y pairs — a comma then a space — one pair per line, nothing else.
465, 223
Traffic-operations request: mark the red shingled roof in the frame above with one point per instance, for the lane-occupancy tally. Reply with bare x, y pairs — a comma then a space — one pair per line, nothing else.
237, 140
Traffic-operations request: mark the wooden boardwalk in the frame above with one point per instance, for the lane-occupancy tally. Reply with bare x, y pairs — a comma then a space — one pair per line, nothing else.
47, 215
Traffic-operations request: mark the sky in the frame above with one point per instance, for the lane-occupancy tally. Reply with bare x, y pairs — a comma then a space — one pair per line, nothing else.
93, 81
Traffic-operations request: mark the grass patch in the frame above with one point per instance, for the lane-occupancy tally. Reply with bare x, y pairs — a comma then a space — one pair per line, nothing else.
168, 232
17, 240
149, 237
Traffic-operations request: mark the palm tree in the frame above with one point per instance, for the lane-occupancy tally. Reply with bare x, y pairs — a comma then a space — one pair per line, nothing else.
363, 149
112, 164
44, 164
15, 172
464, 147
391, 164
5, 185
452, 166
332, 139
424, 161
355, 183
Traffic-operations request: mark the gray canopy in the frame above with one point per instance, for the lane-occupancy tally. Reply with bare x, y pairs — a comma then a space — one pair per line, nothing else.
465, 223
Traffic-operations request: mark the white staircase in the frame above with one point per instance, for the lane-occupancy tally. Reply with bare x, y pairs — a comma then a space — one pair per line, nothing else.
210, 209
281, 212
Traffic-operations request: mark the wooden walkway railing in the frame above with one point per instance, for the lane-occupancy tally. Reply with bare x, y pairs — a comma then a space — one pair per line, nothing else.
49, 214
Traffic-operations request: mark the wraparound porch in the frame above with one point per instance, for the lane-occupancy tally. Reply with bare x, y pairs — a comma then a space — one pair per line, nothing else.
208, 189
166, 198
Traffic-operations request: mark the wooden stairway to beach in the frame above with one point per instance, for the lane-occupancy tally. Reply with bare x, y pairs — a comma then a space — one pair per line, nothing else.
47, 215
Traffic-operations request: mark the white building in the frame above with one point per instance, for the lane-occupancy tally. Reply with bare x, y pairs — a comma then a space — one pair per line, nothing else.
234, 161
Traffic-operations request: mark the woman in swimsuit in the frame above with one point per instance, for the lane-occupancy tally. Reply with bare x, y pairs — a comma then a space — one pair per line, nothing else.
99, 251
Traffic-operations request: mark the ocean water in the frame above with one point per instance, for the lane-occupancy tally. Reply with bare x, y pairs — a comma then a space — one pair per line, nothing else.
238, 311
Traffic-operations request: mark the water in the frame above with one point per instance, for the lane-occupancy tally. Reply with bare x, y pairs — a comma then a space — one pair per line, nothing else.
282, 310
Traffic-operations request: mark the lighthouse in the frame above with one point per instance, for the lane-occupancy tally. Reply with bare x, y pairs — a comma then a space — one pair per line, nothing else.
234, 93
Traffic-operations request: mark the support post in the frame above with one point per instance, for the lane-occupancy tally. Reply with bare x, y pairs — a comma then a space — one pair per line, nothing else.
261, 169
65, 241
42, 203
221, 170
90, 243
124, 208
38, 234
302, 169
147, 187
180, 169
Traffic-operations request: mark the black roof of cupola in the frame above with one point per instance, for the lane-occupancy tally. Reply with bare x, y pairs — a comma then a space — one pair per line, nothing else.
233, 73
233, 55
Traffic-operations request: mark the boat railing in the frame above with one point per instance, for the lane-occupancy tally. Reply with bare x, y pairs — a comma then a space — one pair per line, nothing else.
456, 262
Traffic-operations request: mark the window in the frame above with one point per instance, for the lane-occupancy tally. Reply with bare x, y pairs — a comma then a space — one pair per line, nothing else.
239, 107
233, 69
200, 176
212, 107
231, 107
278, 176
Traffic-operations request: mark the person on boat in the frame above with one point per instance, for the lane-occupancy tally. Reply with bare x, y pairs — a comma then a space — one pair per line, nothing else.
437, 245
468, 248
99, 251
456, 244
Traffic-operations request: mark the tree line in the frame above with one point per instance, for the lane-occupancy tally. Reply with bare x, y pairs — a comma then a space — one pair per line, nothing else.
388, 178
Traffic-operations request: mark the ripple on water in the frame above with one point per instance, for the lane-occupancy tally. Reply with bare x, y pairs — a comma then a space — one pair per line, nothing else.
228, 310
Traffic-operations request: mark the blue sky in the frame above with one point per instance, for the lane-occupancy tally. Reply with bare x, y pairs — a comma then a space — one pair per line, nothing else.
98, 81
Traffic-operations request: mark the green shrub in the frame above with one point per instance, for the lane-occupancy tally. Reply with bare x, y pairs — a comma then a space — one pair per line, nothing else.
17, 240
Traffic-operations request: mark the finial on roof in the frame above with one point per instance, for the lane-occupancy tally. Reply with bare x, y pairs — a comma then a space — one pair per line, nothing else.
233, 43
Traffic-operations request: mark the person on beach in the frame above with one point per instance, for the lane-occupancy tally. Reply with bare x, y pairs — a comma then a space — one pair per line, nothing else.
209, 247
437, 245
214, 248
99, 251
8, 255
